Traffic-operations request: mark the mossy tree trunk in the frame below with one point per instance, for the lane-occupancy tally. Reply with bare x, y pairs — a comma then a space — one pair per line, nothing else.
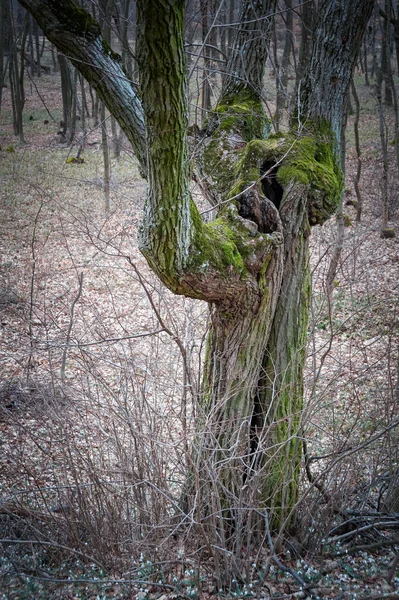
251, 263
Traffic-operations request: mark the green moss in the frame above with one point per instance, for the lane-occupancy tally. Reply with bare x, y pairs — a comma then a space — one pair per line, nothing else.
308, 160
347, 220
216, 245
243, 114
311, 160
221, 233
76, 19
238, 118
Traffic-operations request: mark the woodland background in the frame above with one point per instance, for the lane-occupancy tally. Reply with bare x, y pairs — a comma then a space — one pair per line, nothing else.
100, 363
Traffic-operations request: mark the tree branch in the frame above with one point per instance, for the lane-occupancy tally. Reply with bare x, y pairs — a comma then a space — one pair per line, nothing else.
77, 35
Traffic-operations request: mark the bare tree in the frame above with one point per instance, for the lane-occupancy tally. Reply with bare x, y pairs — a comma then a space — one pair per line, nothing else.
18, 27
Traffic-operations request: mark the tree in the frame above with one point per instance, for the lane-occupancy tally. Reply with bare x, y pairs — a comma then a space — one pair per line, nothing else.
282, 77
250, 263
18, 27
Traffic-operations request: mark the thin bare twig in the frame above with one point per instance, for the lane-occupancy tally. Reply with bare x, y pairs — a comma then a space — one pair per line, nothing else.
130, 582
380, 544
54, 545
278, 562
68, 335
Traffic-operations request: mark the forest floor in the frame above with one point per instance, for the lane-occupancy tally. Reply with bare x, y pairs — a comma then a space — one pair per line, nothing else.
93, 393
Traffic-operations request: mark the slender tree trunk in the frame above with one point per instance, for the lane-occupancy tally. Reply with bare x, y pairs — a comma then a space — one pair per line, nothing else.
37, 48
282, 92
95, 105
66, 90
107, 163
308, 11
340, 230
390, 20
71, 127
106, 10
366, 64
83, 114
206, 87
16, 72
396, 33
386, 54
374, 62
231, 17
126, 52
356, 181
31, 48
3, 45
54, 61
115, 139
384, 152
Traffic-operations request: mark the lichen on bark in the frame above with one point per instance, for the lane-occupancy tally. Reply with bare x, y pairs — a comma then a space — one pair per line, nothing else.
75, 19
311, 159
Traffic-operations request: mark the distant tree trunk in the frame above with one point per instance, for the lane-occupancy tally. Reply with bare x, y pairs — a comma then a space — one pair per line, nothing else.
392, 20
4, 43
206, 87
223, 35
37, 47
16, 72
95, 106
54, 61
115, 139
340, 230
231, 16
107, 164
308, 16
374, 62
106, 8
356, 181
396, 32
126, 52
384, 152
83, 114
68, 104
366, 63
71, 129
31, 48
282, 93
386, 53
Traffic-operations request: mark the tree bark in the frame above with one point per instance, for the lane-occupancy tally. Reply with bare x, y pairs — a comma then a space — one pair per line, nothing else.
106, 159
16, 70
282, 94
206, 87
356, 181
384, 152
308, 12
247, 58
